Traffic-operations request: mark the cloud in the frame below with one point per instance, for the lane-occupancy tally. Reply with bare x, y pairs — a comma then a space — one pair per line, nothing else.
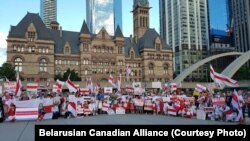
109, 24
3, 55
104, 2
3, 37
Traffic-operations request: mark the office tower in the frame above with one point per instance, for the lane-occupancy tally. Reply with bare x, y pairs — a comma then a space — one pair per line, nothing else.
104, 13
184, 26
241, 24
48, 11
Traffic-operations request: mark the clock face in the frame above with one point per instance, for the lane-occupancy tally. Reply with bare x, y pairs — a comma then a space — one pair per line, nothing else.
143, 2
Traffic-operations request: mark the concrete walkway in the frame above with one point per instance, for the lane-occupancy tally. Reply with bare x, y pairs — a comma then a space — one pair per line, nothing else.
24, 131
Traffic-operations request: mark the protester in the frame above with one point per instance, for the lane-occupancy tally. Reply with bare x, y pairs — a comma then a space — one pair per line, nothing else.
248, 102
11, 112
41, 112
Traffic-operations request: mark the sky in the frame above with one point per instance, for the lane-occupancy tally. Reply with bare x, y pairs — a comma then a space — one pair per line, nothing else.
70, 15
218, 14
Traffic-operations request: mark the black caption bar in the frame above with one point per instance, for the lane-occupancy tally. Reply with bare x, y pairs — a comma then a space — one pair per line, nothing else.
43, 132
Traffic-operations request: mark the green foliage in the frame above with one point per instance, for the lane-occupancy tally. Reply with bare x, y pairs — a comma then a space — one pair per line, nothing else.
8, 70
73, 76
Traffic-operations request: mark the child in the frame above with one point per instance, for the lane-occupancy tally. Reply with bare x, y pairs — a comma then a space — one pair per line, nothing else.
41, 112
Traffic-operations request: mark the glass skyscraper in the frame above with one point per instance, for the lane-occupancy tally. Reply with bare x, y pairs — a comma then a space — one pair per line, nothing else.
48, 11
184, 26
104, 13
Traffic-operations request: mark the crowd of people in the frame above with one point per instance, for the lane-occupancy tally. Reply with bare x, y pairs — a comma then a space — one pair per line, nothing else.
175, 104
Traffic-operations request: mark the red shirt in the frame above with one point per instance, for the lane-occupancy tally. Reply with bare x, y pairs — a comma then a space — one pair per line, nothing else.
11, 111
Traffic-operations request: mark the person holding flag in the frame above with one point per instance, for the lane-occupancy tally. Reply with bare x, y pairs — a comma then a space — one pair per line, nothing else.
71, 86
18, 91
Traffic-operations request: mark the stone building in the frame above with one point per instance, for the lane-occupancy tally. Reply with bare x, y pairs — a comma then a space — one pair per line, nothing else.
40, 53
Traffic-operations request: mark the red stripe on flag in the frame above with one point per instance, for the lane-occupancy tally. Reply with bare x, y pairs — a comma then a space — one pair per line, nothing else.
25, 113
71, 84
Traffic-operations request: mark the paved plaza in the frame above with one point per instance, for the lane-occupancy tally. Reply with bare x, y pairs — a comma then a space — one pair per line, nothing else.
24, 131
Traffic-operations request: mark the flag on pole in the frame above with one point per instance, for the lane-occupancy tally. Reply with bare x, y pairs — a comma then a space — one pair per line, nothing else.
119, 81
200, 88
236, 104
71, 86
222, 80
48, 84
7, 80
89, 84
112, 81
128, 71
18, 85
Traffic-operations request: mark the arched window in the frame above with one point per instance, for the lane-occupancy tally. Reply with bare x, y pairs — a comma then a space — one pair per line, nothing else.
31, 36
86, 71
85, 62
132, 55
58, 71
165, 68
151, 68
66, 49
43, 65
18, 64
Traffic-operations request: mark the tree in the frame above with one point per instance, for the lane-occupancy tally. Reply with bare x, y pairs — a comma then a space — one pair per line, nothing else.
73, 76
8, 70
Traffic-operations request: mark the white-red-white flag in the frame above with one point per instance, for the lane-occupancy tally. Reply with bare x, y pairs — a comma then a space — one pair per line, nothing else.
222, 80
119, 82
48, 84
112, 81
128, 71
18, 85
236, 104
200, 88
89, 84
59, 85
71, 86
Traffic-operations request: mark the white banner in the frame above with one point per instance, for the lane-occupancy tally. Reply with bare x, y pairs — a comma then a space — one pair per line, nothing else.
1, 90
156, 85
120, 111
9, 87
26, 114
108, 90
139, 91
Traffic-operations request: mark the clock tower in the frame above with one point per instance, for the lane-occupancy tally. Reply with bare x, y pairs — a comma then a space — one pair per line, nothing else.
140, 17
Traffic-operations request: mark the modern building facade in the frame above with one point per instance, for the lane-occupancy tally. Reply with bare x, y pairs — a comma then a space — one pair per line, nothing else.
241, 24
221, 43
184, 26
107, 14
48, 11
40, 53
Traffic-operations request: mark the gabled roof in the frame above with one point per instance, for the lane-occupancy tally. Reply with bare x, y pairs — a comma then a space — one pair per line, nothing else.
148, 40
20, 30
67, 36
85, 29
130, 44
118, 32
